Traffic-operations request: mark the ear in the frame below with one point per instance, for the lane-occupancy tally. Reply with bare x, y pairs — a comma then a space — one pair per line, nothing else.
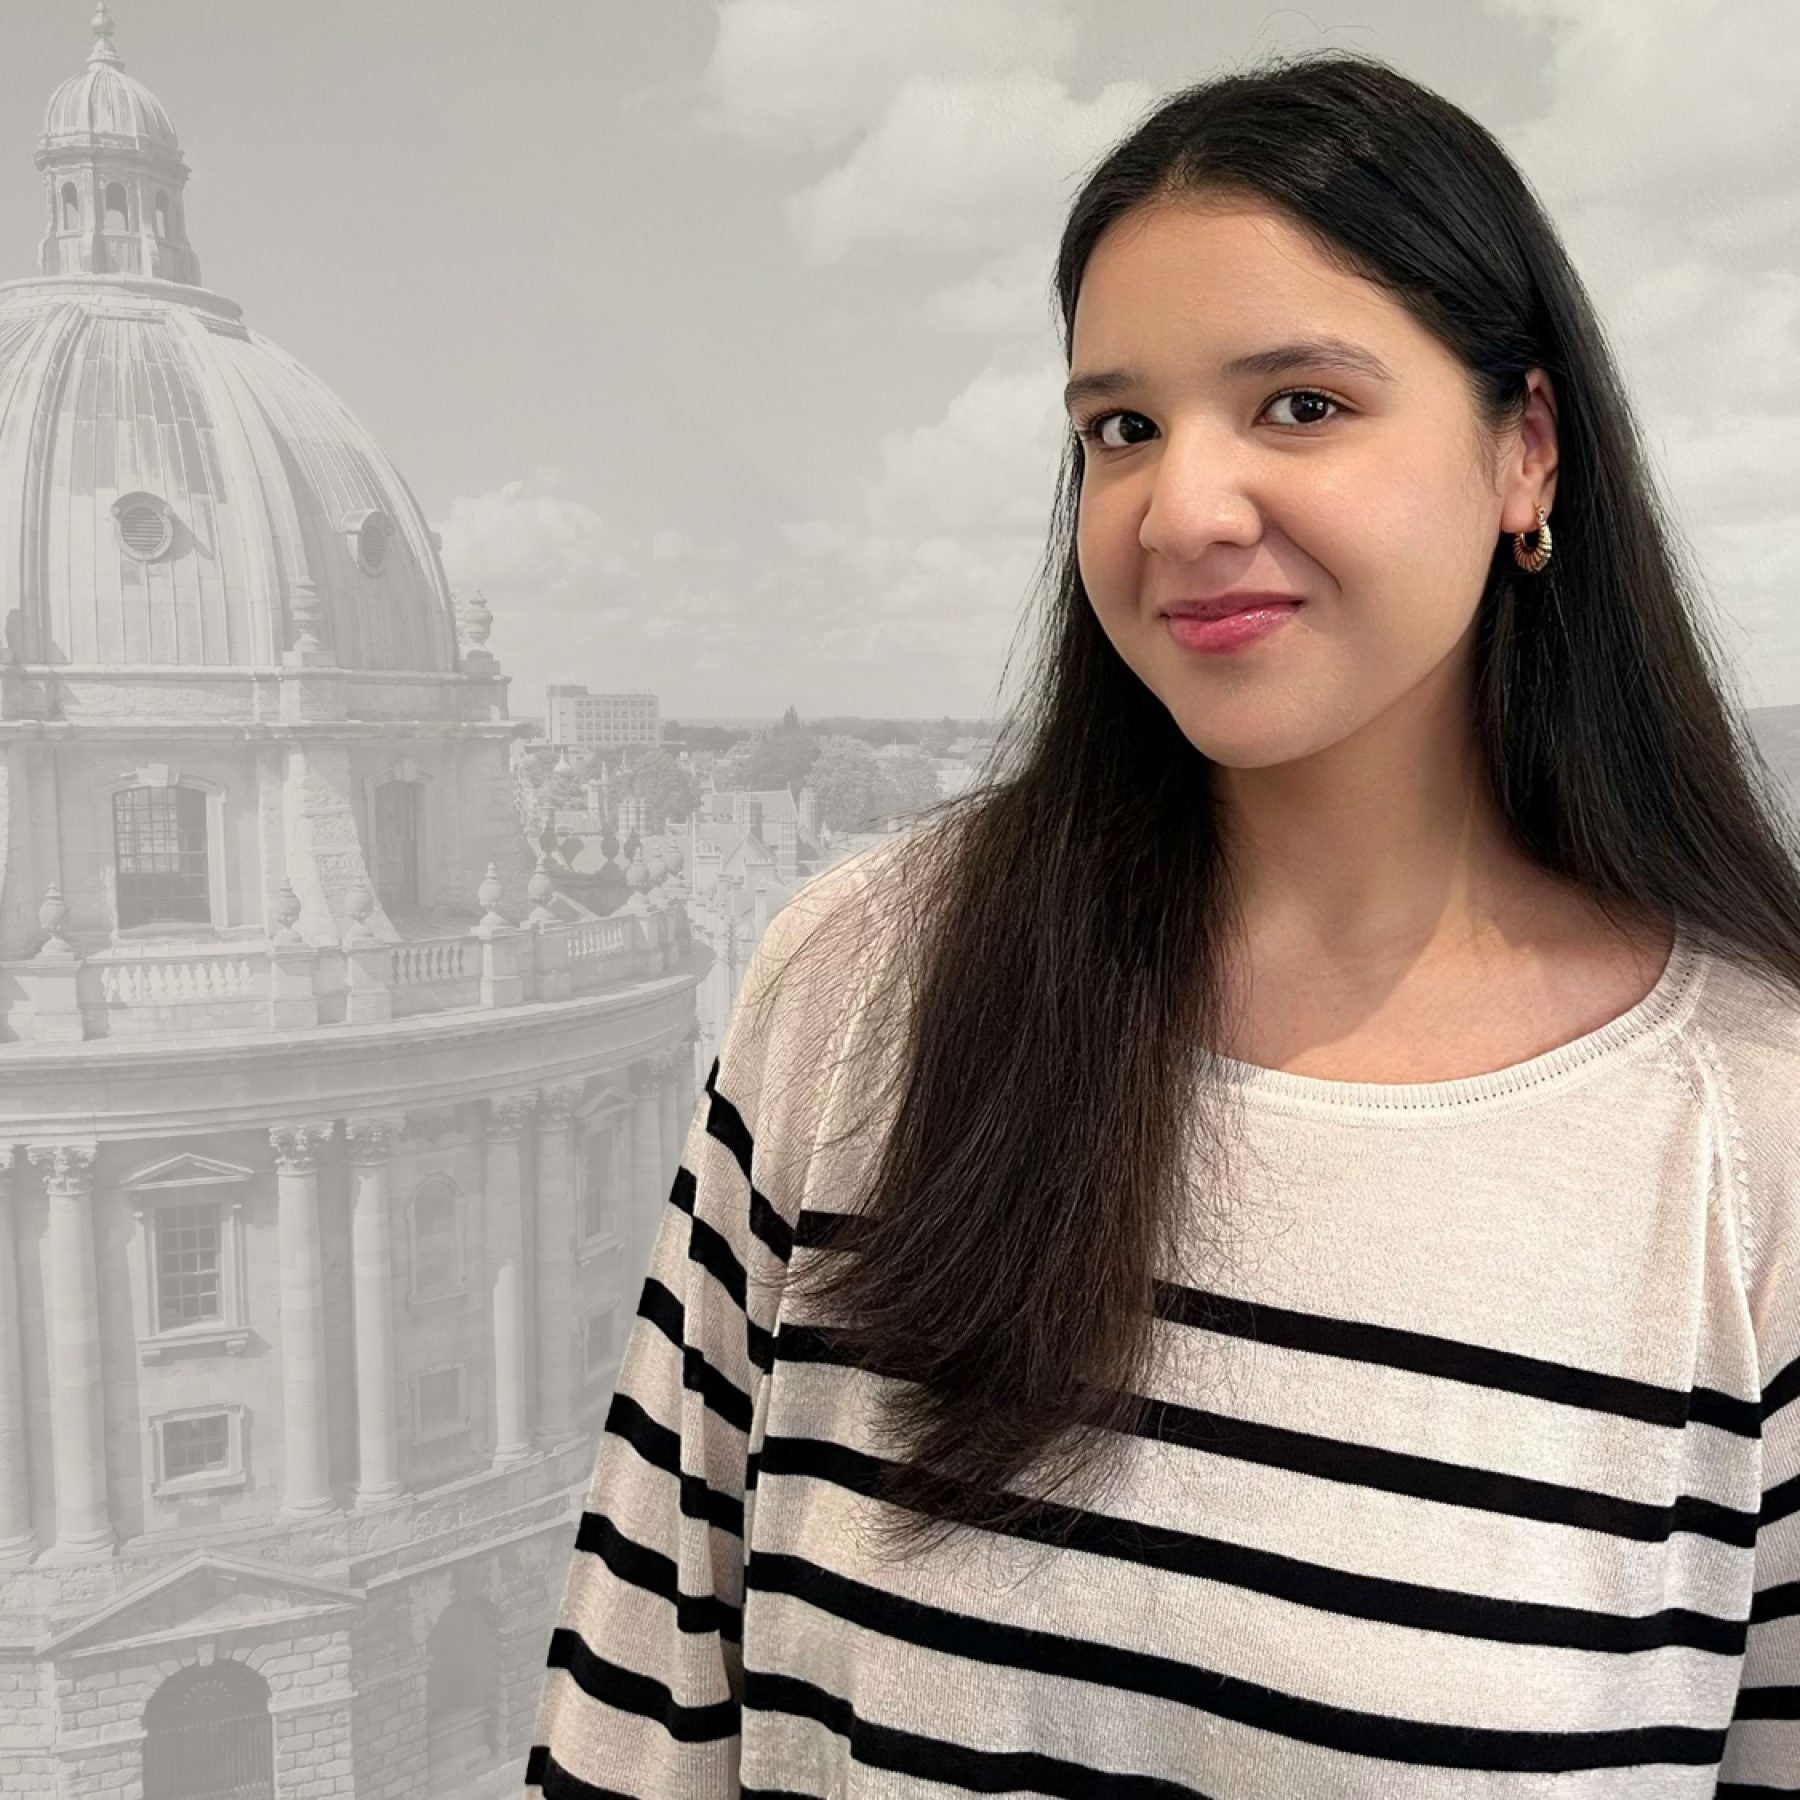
1530, 478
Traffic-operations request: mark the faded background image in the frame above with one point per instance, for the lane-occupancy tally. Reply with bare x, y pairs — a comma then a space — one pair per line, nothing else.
491, 497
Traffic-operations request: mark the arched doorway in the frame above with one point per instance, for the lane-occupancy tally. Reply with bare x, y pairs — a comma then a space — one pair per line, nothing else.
461, 1694
208, 1735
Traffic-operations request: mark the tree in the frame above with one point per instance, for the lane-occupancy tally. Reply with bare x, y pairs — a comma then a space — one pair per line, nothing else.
912, 781
781, 758
667, 790
853, 790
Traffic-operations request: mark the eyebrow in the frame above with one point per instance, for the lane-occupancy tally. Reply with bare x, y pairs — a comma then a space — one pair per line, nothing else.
1302, 353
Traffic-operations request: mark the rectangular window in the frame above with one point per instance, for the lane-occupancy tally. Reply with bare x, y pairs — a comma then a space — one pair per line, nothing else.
196, 1450
159, 852
196, 1446
440, 1402
189, 1264
598, 1153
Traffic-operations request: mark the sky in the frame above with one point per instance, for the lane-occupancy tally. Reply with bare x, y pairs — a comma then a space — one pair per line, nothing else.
717, 339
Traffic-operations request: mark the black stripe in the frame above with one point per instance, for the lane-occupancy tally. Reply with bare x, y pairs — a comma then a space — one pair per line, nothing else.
1782, 1601
1423, 1353
1781, 1500
1388, 1471
661, 1449
665, 1311
1779, 1393
1750, 1790
545, 1773
643, 1695
981, 1771
1371, 1735
1193, 1554
657, 1574
726, 1123
1449, 1359
1779, 1702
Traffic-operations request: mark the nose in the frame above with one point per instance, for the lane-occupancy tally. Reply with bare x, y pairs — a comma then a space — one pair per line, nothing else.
1197, 498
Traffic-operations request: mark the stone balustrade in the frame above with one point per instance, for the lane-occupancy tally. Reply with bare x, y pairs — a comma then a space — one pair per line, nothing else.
62, 995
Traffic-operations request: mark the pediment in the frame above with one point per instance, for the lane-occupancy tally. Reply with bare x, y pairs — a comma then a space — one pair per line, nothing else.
186, 1170
206, 1593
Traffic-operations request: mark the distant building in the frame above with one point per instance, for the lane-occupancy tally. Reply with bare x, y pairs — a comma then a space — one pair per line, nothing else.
584, 722
332, 1137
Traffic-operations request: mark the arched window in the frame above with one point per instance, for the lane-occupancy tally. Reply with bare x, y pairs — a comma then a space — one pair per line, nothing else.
208, 1735
159, 853
115, 207
162, 215
397, 843
461, 1692
71, 207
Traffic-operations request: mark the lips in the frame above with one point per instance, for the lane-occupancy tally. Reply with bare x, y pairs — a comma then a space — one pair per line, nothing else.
1223, 605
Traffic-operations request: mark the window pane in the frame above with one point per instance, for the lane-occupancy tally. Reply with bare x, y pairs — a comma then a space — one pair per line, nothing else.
440, 1398
159, 850
189, 1241
596, 1182
191, 1446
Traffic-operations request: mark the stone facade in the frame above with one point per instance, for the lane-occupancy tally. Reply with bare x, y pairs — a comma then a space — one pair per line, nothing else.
333, 1133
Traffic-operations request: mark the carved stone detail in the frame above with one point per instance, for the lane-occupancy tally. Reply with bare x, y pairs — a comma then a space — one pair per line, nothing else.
297, 1146
510, 1115
372, 1140
557, 1105
68, 1168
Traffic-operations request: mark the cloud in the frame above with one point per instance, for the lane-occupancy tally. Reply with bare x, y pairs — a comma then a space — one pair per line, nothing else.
957, 165
520, 541
807, 75
986, 464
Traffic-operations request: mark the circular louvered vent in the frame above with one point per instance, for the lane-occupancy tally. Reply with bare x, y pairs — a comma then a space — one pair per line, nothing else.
145, 525
368, 533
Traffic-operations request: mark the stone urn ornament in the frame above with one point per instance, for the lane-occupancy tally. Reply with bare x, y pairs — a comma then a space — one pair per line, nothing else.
489, 895
287, 910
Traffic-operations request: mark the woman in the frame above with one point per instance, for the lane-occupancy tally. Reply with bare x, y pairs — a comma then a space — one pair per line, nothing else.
1258, 1254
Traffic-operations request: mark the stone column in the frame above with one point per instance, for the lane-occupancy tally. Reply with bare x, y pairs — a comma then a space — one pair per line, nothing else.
72, 1301
644, 1204
372, 1295
305, 1438
555, 1266
16, 1540
504, 1208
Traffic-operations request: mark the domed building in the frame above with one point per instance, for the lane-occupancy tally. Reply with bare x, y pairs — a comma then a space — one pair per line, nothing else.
333, 1136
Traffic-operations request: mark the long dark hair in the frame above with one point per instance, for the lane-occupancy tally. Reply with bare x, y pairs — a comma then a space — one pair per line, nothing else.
1051, 983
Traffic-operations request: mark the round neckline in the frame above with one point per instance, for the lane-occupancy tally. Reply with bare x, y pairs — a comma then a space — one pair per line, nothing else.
1676, 984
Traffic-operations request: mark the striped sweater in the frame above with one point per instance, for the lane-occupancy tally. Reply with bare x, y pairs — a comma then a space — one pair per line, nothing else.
1482, 1478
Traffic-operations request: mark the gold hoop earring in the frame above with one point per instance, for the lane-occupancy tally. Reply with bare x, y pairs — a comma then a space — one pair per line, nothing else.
1533, 560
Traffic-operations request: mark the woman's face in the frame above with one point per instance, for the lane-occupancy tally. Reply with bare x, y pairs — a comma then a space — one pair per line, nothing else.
1367, 497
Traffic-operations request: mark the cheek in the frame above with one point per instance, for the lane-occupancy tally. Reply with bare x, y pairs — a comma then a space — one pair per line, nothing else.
1107, 552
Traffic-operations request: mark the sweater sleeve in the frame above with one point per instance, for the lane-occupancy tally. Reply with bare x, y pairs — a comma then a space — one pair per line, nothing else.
1762, 1749
644, 1686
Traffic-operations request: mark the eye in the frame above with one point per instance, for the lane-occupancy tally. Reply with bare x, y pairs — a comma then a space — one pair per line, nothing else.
1089, 429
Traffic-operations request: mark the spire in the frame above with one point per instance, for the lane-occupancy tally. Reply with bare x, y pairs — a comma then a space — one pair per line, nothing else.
113, 175
103, 52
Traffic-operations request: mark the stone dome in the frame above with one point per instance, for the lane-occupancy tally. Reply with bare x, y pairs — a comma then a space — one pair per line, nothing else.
172, 483
103, 101
176, 491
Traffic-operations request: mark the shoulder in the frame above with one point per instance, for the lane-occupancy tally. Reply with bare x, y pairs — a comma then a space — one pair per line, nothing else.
1744, 1031
809, 968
